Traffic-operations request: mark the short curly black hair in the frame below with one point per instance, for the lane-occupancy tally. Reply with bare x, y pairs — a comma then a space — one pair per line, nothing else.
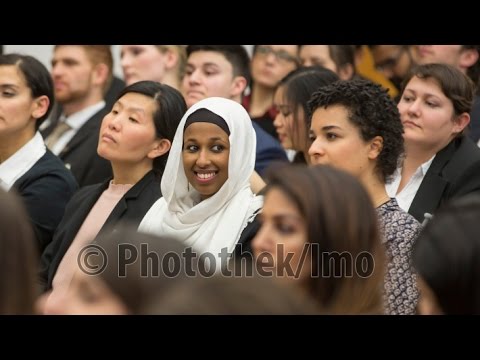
373, 111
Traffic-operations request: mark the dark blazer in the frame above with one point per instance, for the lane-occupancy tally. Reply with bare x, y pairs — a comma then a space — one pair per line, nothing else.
454, 172
45, 190
131, 208
268, 150
80, 154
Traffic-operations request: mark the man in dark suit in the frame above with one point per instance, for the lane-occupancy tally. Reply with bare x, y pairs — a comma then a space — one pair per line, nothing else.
81, 75
223, 70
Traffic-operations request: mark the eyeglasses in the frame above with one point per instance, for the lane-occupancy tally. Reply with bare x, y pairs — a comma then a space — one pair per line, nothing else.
280, 55
389, 63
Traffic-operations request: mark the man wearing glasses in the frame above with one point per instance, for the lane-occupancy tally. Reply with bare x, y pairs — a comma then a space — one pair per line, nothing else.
269, 64
393, 61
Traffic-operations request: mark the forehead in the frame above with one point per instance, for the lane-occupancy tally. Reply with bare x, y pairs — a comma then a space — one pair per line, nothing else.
335, 113
276, 201
70, 51
425, 86
200, 58
315, 50
138, 101
288, 48
11, 74
204, 130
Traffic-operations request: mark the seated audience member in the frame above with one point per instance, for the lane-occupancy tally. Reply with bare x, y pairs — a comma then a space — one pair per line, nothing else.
317, 225
355, 126
135, 268
207, 202
18, 258
220, 295
291, 101
135, 137
441, 162
26, 165
446, 257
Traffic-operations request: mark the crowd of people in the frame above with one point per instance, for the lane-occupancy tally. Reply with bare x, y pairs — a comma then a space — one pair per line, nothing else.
211, 182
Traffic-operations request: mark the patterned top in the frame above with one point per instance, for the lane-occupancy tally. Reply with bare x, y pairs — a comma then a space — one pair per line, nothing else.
400, 230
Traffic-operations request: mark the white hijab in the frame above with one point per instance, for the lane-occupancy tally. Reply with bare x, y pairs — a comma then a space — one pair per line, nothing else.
218, 221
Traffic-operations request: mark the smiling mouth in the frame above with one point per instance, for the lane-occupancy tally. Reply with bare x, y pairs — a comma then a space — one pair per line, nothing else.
205, 177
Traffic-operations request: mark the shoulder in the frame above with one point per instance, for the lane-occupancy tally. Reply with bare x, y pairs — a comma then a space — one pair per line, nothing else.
151, 222
50, 174
397, 224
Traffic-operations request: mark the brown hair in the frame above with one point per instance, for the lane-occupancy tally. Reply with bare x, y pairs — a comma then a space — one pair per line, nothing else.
18, 258
341, 220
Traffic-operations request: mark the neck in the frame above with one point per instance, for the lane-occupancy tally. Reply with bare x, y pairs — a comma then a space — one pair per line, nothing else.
171, 79
126, 173
76, 105
376, 190
9, 144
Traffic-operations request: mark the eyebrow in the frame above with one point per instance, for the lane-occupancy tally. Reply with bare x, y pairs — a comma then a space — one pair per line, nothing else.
7, 85
215, 138
425, 94
131, 108
330, 127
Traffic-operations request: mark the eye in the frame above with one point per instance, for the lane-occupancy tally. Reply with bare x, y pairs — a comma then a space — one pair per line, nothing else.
312, 137
218, 148
407, 98
284, 228
191, 148
8, 93
331, 136
114, 112
133, 120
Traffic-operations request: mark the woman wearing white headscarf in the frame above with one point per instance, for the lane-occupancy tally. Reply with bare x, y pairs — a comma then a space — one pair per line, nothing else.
207, 202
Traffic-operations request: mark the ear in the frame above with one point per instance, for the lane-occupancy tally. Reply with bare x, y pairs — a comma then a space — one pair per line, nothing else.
171, 59
345, 72
460, 123
100, 74
375, 147
468, 57
238, 86
40, 106
161, 147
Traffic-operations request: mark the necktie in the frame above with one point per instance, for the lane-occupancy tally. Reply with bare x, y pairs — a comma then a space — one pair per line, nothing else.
60, 129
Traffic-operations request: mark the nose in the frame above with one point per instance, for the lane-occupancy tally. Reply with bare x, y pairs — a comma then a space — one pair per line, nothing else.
114, 122
124, 60
194, 77
261, 241
278, 121
315, 150
414, 108
203, 159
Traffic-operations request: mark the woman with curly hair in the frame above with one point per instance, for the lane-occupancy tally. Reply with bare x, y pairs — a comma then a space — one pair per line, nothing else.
356, 126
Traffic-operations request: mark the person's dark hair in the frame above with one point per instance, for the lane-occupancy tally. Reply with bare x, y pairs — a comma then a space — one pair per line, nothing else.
454, 84
18, 258
235, 54
447, 256
473, 72
299, 86
36, 75
171, 107
159, 264
221, 295
340, 219
373, 112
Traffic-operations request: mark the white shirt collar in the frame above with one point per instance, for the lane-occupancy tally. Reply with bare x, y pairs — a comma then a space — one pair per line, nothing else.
78, 119
19, 163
